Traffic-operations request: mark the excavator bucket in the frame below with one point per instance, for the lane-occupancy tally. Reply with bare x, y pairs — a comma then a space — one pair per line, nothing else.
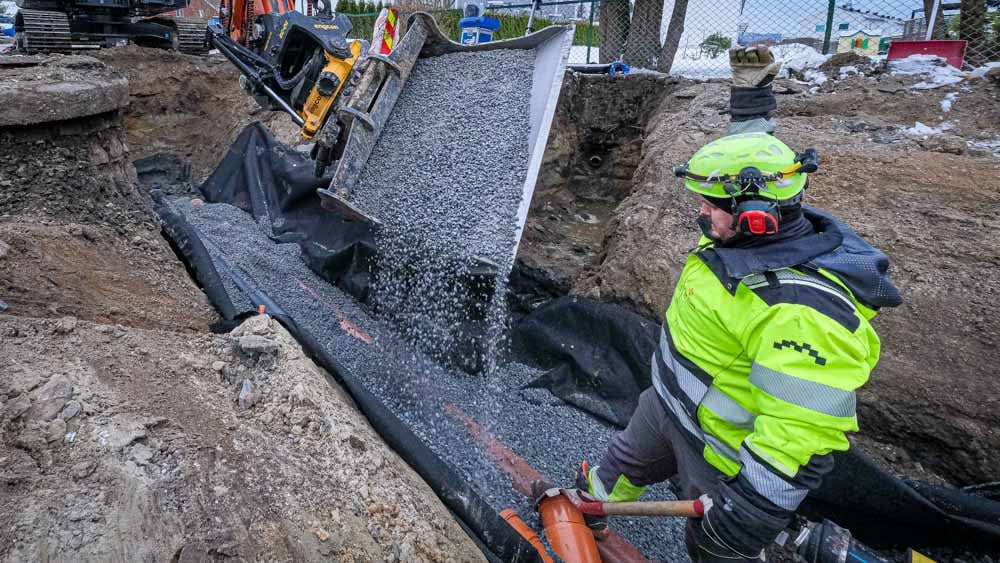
362, 118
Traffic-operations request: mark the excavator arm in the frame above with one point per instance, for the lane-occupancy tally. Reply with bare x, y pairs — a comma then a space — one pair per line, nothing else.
288, 61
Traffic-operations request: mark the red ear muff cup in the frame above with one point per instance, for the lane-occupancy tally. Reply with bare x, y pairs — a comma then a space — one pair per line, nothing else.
757, 222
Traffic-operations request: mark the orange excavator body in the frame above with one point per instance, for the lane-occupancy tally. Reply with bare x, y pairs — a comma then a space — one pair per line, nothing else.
242, 13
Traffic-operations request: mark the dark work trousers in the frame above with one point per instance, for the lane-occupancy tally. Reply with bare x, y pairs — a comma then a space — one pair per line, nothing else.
652, 450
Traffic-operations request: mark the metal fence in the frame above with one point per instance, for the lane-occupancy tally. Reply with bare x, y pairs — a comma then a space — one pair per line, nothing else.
690, 37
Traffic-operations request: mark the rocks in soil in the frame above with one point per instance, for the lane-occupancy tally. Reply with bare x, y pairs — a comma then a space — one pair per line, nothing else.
56, 430
164, 438
50, 399
71, 409
17, 406
952, 144
142, 454
255, 345
65, 325
247, 397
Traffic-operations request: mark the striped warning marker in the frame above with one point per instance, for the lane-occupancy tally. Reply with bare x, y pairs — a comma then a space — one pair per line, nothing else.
386, 28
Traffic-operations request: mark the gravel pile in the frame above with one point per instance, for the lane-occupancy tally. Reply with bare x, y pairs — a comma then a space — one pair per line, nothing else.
446, 180
552, 436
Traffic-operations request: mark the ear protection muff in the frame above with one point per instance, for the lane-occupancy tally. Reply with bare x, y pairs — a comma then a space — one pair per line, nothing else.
757, 217
753, 215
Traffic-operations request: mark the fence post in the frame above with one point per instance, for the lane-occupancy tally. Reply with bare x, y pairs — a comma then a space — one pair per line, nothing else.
829, 25
590, 29
932, 19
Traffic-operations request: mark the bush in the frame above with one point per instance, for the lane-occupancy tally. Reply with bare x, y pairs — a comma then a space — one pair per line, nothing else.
716, 44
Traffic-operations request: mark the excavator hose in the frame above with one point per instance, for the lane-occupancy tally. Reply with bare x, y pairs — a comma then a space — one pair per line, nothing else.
829, 543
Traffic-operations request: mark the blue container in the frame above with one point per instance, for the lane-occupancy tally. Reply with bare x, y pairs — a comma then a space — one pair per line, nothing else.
478, 30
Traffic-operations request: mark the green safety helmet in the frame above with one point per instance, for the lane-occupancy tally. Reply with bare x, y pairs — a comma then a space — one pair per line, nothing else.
749, 165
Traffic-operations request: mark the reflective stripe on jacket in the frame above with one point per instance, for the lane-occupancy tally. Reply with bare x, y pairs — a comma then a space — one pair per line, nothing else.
761, 372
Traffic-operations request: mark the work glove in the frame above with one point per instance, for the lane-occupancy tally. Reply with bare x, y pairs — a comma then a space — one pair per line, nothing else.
753, 67
597, 524
750, 97
734, 528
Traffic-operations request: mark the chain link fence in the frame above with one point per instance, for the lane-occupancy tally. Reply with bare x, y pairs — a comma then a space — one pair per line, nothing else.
691, 37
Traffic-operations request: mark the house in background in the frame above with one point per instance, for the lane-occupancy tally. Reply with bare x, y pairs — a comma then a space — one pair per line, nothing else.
862, 41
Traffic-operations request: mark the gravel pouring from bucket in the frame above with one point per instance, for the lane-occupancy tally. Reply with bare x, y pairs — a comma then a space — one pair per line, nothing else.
365, 114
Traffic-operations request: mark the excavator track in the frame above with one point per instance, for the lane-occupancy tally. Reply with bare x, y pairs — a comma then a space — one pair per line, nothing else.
43, 32
191, 37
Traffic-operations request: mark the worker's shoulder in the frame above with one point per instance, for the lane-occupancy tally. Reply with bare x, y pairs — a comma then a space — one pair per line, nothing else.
789, 287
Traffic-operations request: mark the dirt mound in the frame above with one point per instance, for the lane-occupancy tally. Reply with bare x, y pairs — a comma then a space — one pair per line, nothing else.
933, 392
97, 274
850, 58
881, 106
187, 105
64, 153
136, 445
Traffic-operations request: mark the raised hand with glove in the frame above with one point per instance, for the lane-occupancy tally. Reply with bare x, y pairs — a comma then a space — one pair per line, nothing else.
751, 100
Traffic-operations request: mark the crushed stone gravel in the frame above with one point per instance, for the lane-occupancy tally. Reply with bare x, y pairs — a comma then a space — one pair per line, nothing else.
446, 180
552, 436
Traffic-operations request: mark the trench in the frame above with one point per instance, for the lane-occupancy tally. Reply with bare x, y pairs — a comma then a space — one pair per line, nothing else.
594, 149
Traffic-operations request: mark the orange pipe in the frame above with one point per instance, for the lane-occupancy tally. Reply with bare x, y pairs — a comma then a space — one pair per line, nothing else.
568, 534
515, 521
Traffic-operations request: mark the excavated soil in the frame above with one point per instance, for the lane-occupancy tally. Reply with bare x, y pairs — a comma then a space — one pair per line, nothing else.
128, 431
931, 409
95, 273
149, 445
189, 106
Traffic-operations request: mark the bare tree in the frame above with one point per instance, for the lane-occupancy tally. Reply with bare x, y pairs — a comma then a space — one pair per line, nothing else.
613, 29
972, 28
673, 40
643, 43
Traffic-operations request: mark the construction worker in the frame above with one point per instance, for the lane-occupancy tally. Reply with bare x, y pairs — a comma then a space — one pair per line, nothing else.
765, 342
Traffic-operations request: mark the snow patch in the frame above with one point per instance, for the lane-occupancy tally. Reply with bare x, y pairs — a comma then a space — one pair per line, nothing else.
798, 57
981, 71
696, 69
991, 145
948, 101
848, 70
815, 77
702, 69
925, 131
936, 71
8, 8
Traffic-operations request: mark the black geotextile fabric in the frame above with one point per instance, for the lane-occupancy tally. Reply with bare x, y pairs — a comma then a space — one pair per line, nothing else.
277, 184
491, 532
597, 357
